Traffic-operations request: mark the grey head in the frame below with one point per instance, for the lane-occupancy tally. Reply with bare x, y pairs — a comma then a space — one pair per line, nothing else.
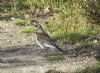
38, 26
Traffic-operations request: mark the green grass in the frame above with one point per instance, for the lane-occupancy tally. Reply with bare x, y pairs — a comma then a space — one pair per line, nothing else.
21, 22
94, 69
28, 30
69, 23
65, 30
54, 57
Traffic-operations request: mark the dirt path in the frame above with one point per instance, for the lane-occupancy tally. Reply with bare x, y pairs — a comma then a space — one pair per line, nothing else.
28, 59
10, 35
19, 55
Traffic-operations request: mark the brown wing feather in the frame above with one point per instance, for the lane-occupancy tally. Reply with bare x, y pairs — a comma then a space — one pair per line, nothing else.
53, 42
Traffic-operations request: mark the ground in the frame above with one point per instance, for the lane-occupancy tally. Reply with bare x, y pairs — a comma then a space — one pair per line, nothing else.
19, 54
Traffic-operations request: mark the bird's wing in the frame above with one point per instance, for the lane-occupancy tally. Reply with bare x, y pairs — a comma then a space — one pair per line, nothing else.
53, 43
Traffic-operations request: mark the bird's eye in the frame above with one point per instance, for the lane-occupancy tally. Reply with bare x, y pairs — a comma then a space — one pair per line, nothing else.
36, 25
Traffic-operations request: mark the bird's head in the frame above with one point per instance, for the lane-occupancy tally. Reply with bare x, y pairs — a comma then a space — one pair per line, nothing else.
38, 26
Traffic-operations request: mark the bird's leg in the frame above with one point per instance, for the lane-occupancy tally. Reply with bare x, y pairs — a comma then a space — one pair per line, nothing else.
47, 49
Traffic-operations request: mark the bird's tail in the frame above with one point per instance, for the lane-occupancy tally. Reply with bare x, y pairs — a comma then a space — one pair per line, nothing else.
61, 50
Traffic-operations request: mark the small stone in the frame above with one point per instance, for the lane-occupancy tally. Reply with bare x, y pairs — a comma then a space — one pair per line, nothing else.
95, 41
13, 18
8, 41
46, 10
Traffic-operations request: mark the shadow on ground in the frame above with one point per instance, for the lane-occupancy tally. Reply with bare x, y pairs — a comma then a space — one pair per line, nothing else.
27, 55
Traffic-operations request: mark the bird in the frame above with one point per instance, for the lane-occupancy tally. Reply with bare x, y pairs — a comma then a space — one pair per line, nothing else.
43, 39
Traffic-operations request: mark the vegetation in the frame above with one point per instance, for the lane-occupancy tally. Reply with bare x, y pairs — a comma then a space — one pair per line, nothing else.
92, 8
69, 24
53, 57
94, 69
28, 30
22, 22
